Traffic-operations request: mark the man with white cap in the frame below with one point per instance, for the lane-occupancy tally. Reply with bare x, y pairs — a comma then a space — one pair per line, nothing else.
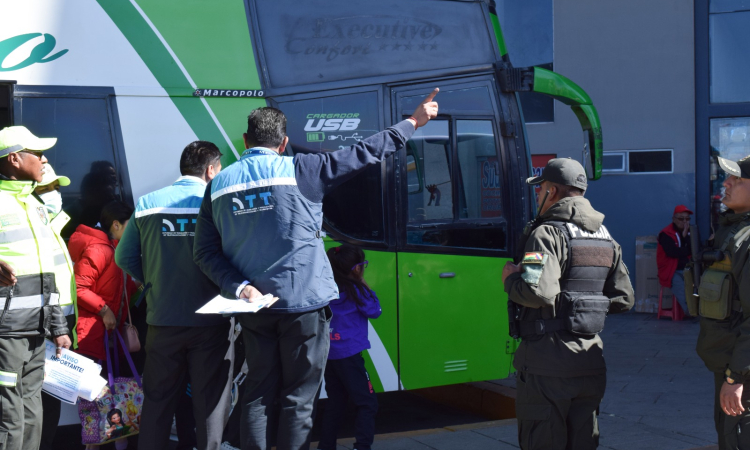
29, 297
724, 307
49, 191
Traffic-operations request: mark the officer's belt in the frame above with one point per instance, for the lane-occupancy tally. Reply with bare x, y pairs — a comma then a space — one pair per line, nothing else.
540, 326
582, 285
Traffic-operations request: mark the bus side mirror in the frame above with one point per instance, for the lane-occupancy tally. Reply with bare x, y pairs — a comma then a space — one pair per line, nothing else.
543, 81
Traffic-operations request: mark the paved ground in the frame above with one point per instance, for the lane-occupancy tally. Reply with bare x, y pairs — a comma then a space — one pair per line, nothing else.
659, 396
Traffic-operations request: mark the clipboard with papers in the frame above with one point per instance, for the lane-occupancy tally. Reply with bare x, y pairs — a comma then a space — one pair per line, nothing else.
223, 305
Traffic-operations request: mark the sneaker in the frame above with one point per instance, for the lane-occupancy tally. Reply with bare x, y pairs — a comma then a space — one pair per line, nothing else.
227, 446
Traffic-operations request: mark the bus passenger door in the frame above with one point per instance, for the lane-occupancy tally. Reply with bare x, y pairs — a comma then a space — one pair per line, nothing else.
453, 239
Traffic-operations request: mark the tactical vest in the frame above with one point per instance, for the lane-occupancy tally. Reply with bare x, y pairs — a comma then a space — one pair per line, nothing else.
581, 307
718, 293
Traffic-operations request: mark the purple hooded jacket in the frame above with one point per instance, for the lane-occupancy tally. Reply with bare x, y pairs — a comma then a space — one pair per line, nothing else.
349, 323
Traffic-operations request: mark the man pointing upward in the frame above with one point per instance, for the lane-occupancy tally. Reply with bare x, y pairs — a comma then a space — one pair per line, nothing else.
259, 232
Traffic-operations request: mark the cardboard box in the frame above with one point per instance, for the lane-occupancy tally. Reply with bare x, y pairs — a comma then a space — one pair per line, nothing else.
646, 275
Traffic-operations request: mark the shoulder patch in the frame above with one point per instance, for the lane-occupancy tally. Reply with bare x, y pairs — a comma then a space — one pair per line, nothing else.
533, 258
532, 272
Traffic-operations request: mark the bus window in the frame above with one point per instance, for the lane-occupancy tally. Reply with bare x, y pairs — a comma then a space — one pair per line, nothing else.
435, 201
434, 219
464, 99
87, 146
355, 208
480, 196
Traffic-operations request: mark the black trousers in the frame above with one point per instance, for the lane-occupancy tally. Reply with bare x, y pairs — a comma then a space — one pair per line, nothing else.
286, 354
347, 378
556, 413
173, 354
733, 431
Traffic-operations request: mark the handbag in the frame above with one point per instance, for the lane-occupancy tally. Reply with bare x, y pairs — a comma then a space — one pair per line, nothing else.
116, 414
129, 331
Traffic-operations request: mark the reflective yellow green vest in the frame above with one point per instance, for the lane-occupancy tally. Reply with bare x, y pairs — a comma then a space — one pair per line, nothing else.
64, 275
27, 244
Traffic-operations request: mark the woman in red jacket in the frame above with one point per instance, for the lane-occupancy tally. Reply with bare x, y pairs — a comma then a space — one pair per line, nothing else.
98, 279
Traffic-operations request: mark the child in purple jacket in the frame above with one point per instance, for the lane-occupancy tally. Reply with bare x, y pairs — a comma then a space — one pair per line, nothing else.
345, 373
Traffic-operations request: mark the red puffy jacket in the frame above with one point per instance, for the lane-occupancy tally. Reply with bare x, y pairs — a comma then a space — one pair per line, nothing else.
99, 281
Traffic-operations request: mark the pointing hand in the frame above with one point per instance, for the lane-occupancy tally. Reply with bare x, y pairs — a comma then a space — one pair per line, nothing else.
426, 110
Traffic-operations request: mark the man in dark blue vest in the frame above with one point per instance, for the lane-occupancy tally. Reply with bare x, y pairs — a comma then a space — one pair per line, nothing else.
157, 249
259, 232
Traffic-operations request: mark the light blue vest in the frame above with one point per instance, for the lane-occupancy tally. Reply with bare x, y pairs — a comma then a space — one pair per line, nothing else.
271, 233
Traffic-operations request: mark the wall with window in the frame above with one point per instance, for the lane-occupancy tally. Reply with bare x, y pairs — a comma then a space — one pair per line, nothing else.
636, 61
722, 102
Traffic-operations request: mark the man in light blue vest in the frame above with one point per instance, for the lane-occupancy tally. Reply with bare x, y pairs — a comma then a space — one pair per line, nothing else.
259, 232
157, 248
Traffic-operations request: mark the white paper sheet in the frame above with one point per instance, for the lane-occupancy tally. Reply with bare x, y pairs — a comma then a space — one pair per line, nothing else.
223, 305
70, 376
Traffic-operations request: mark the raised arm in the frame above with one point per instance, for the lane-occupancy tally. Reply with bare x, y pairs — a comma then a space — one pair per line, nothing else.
317, 174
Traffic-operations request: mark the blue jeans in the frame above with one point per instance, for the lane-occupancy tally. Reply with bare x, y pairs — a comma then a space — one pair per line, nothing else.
678, 289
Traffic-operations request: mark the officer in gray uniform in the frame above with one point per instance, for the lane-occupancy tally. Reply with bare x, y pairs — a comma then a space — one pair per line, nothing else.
569, 277
724, 307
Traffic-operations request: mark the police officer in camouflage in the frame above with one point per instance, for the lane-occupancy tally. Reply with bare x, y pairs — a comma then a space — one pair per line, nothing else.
724, 307
569, 277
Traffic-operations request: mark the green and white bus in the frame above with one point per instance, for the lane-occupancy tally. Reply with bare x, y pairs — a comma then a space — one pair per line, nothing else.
131, 82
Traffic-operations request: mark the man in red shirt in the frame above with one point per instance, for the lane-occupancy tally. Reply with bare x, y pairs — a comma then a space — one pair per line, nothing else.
673, 253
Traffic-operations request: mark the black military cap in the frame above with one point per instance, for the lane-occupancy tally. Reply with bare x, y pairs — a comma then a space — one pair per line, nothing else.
565, 171
739, 169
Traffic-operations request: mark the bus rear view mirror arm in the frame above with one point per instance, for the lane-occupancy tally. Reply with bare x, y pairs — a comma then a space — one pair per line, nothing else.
536, 79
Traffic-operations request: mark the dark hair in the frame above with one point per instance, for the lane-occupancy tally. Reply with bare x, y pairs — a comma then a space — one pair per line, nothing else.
197, 156
101, 167
111, 413
112, 211
568, 191
266, 127
343, 258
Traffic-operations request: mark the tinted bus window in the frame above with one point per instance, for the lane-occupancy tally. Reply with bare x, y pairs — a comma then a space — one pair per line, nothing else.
433, 219
431, 145
85, 152
469, 99
481, 193
333, 40
333, 123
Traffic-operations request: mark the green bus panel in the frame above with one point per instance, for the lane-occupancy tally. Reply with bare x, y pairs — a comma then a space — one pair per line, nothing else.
452, 329
381, 360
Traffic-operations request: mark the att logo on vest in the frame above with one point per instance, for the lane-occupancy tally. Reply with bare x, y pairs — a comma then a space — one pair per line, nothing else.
252, 204
576, 232
170, 230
